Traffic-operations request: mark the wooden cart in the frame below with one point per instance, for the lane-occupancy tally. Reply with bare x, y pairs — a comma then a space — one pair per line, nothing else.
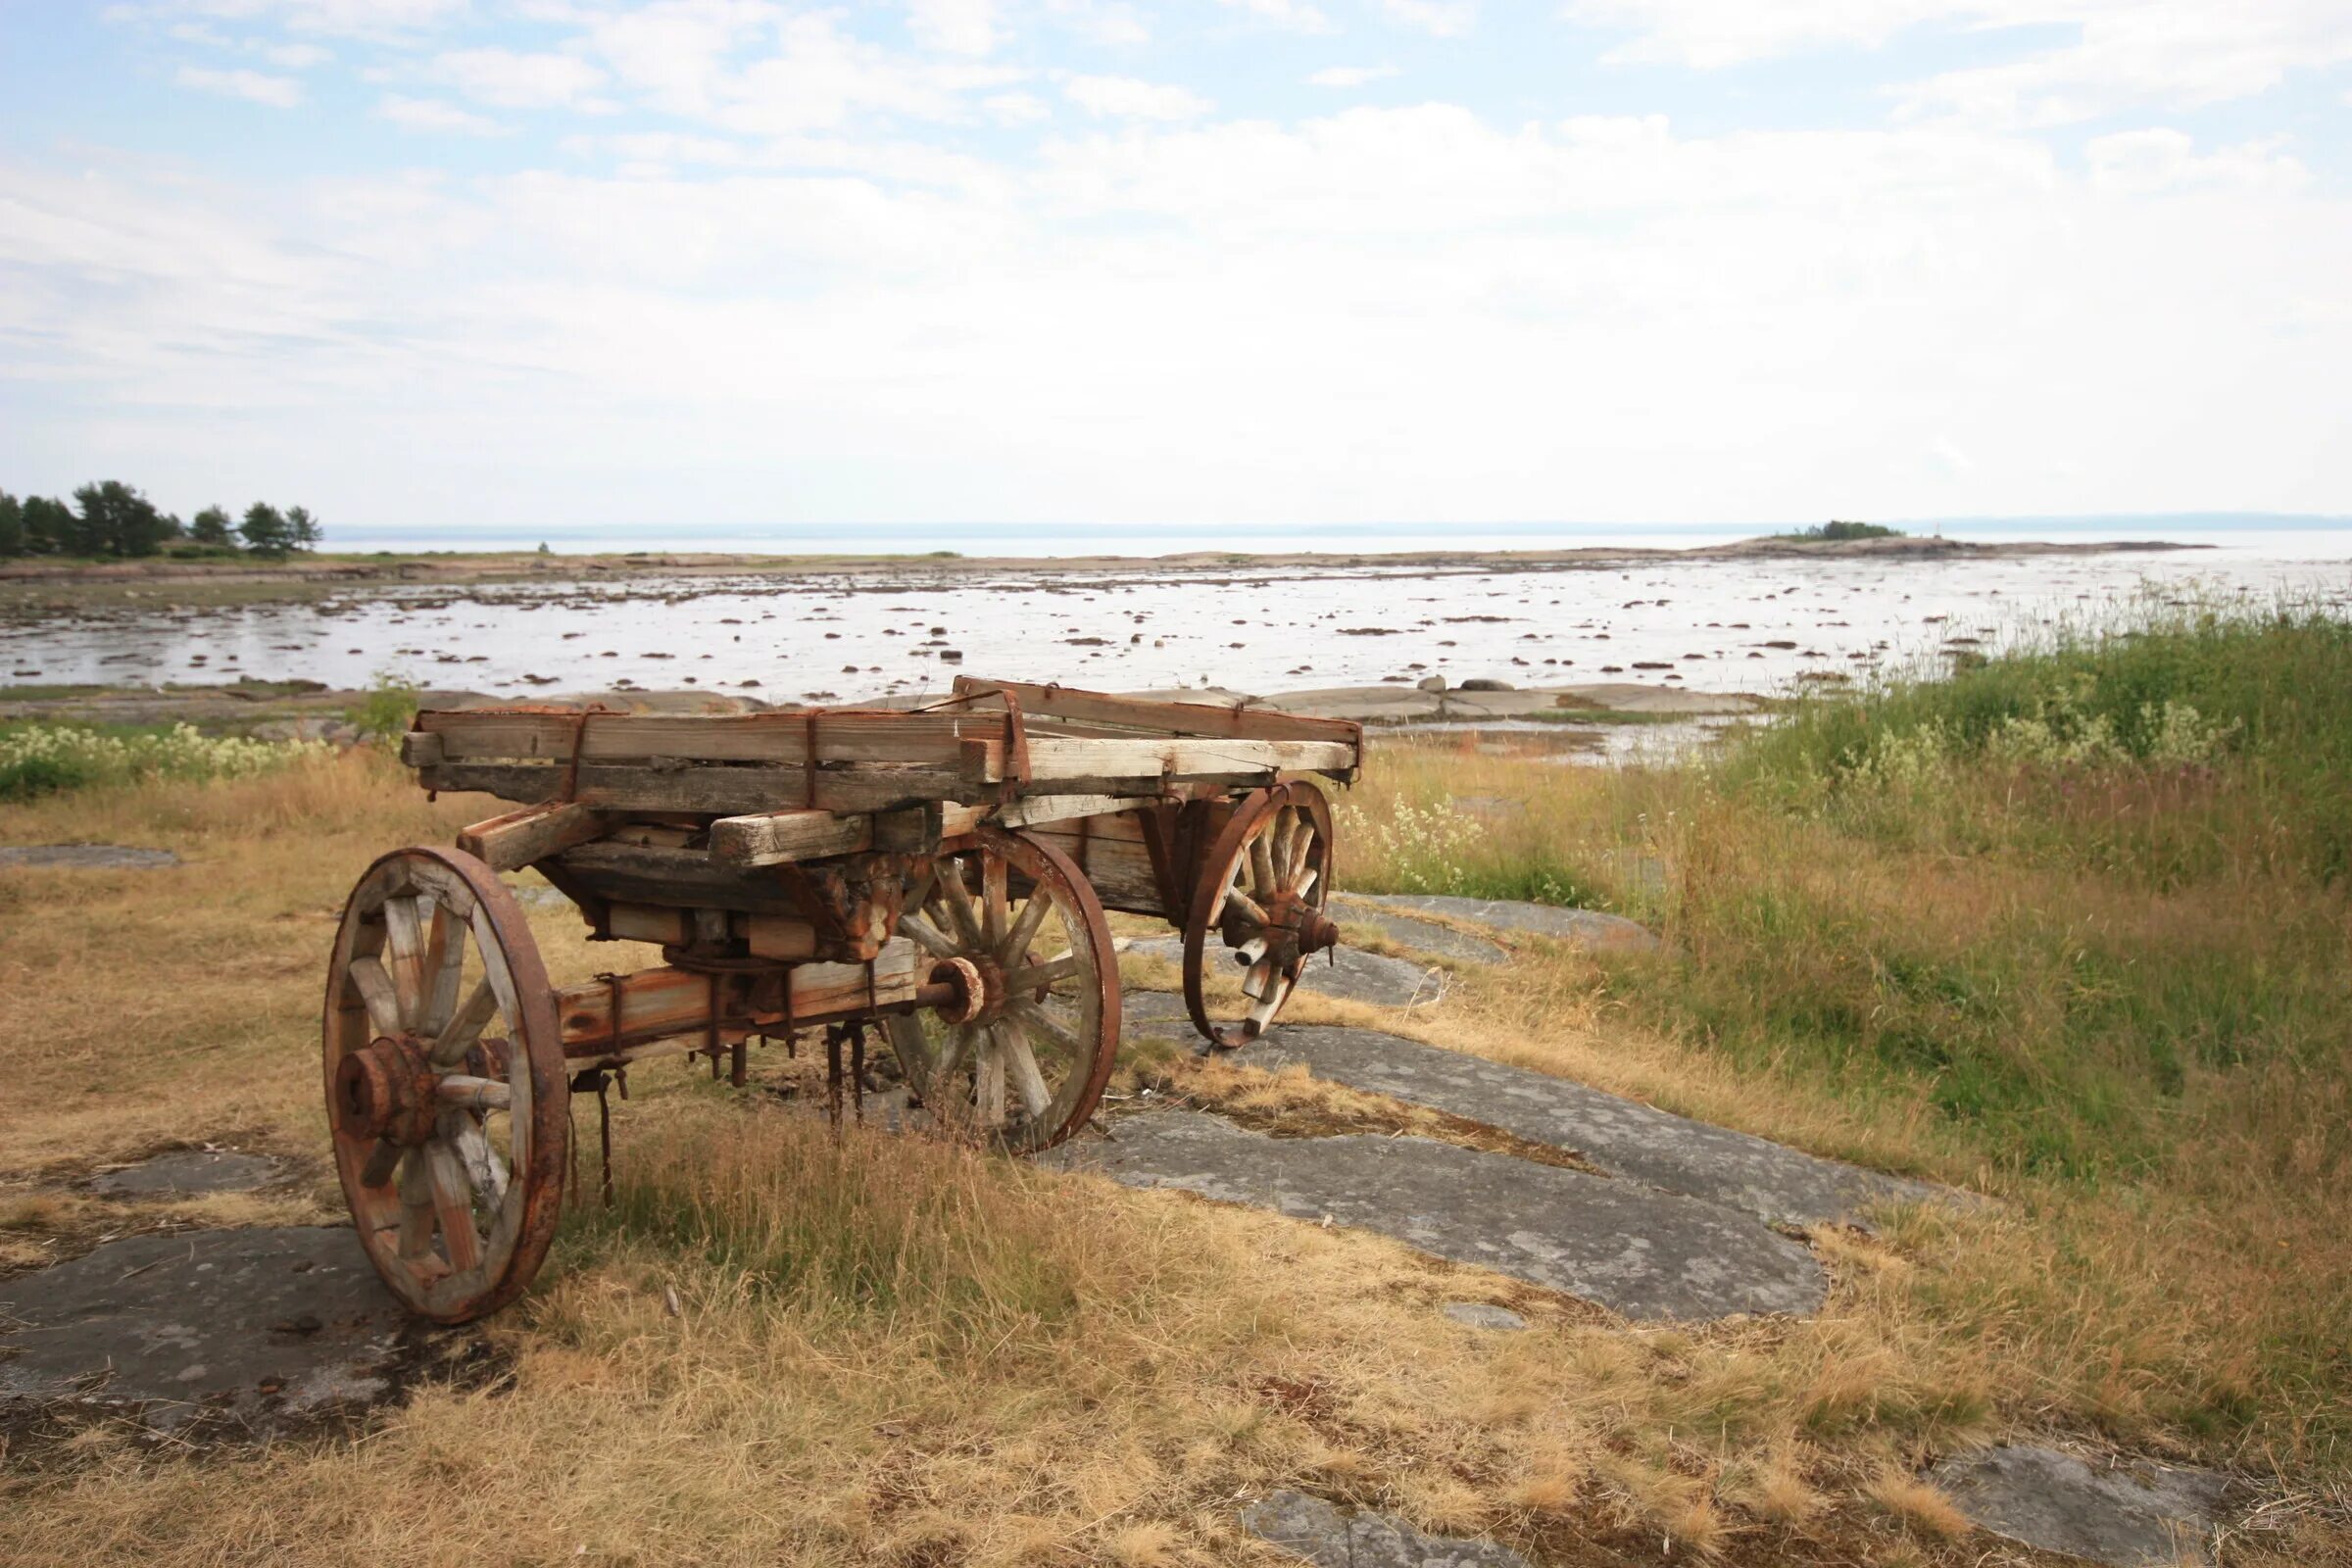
939, 874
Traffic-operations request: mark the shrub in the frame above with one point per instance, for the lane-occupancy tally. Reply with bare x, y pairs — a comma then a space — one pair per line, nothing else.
49, 759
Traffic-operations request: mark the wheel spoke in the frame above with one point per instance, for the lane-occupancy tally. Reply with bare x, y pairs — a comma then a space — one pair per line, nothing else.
376, 991
988, 1081
1302, 849
483, 1168
1043, 974
1269, 1002
481, 1006
959, 900
1033, 915
404, 953
444, 969
993, 893
1261, 866
453, 1206
416, 1208
1020, 1066
382, 1163
925, 936
1252, 909
1038, 1021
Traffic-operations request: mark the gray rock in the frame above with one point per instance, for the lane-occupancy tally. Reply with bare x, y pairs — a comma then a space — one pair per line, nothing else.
1331, 1537
1430, 683
1632, 1249
1348, 974
1485, 683
87, 857
1737, 1171
190, 1170
1483, 1315
1584, 928
2132, 1516
1430, 937
259, 1324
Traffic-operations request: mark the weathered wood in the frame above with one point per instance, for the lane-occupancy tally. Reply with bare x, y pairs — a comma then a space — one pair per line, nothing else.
419, 749
1051, 759
510, 842
840, 735
778, 936
722, 790
779, 838
1165, 717
1119, 868
643, 922
654, 1003
633, 873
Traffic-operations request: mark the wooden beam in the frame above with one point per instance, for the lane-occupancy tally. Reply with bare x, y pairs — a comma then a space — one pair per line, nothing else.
600, 1017
1050, 759
839, 736
510, 842
720, 790
1165, 717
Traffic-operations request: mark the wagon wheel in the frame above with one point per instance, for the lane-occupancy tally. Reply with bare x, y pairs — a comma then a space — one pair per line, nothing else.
1023, 1056
1260, 896
445, 1082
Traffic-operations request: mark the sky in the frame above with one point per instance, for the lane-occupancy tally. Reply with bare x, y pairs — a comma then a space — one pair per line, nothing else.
698, 265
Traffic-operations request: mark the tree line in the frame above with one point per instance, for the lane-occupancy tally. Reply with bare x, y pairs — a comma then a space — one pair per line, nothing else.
108, 518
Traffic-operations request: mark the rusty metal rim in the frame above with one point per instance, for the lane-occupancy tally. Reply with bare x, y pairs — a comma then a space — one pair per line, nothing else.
550, 1120
1233, 843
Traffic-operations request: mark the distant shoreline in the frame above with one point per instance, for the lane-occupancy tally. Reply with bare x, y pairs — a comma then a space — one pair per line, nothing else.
459, 569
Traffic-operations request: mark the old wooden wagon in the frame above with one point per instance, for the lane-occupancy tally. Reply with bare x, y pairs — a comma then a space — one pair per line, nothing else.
938, 875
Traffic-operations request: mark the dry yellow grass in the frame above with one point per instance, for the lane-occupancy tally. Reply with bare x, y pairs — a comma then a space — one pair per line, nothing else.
896, 1351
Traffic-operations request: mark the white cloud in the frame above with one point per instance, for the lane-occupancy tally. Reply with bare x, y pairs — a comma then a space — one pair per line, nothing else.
431, 114
1292, 16
821, 77
1351, 75
254, 86
296, 56
514, 81
1442, 18
350, 19
1126, 98
1015, 108
956, 26
1113, 24
2180, 53
2144, 161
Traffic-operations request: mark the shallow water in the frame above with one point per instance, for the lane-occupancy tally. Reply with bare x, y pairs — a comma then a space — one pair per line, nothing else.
1710, 625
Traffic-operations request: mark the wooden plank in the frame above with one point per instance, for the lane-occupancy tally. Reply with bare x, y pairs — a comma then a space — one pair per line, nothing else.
721, 790
418, 749
644, 922
1165, 717
510, 842
657, 1003
780, 838
1063, 759
1119, 869
840, 735
630, 873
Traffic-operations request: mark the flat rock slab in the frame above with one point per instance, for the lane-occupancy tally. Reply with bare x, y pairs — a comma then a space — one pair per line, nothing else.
1353, 975
1483, 1315
259, 1324
1771, 1181
190, 1170
1589, 929
1636, 1250
87, 857
1331, 1537
2133, 1516
1426, 935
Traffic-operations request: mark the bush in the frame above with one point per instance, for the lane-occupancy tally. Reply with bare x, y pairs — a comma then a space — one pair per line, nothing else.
388, 709
1835, 531
39, 760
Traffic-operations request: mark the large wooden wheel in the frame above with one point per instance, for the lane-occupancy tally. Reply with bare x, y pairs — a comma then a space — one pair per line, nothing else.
446, 1089
1259, 905
1022, 1057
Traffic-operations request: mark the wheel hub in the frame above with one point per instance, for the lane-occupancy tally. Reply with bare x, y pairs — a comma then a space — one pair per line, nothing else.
971, 986
1298, 926
385, 1090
